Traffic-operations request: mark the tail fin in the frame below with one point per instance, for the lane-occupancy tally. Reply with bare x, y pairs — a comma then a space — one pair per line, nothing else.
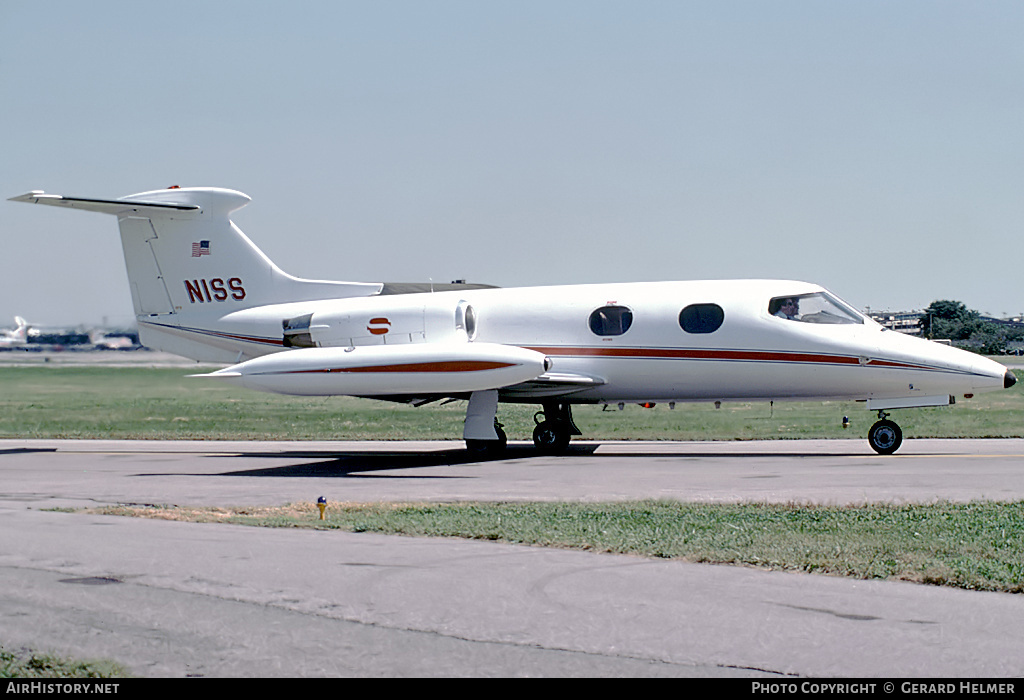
21, 332
182, 250
186, 258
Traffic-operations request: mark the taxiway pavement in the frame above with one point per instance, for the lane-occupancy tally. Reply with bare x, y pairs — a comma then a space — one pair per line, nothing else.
176, 599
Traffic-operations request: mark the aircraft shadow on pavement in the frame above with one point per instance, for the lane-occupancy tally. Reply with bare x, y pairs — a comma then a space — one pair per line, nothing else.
26, 450
355, 463
734, 455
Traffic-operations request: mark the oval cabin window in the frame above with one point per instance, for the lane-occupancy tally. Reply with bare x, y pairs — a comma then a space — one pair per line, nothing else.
701, 318
611, 320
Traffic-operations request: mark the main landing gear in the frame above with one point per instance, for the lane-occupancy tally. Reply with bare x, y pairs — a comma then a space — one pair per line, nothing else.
486, 439
482, 433
554, 429
885, 437
489, 448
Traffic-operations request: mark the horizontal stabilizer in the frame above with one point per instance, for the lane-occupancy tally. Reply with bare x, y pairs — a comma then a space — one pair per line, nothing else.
103, 206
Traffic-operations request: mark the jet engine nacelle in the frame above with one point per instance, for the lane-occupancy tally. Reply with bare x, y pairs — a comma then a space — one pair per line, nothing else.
399, 320
418, 369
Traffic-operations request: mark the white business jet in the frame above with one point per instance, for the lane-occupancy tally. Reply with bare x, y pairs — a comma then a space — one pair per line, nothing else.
17, 337
203, 290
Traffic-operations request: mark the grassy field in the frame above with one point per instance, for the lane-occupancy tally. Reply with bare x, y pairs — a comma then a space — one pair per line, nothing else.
143, 403
974, 546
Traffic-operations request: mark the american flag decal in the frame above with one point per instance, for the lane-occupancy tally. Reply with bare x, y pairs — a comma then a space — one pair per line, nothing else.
200, 248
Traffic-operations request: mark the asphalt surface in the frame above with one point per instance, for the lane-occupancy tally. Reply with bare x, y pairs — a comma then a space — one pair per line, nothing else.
179, 599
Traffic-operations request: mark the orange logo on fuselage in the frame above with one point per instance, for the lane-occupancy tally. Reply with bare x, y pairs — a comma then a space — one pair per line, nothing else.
379, 326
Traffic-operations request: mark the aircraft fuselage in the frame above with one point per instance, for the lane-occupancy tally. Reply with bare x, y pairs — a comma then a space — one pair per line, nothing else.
750, 355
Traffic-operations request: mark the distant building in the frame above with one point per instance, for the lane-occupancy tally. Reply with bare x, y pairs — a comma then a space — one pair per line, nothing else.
908, 322
1010, 322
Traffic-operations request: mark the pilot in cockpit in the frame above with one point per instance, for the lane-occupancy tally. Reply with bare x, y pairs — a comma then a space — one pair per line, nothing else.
787, 308
819, 307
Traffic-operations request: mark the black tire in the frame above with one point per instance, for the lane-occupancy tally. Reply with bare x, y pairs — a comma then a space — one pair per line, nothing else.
885, 437
551, 438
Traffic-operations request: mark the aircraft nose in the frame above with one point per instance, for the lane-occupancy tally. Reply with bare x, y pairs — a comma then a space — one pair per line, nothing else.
1009, 379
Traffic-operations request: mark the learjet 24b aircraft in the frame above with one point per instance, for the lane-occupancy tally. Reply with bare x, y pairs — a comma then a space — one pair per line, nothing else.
203, 290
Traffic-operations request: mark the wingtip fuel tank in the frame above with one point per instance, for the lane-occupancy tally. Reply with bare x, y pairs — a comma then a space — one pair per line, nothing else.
386, 370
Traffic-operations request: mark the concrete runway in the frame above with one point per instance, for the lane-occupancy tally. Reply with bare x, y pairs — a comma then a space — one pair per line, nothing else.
177, 599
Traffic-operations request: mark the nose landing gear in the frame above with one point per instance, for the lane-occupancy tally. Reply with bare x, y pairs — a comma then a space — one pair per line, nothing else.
885, 436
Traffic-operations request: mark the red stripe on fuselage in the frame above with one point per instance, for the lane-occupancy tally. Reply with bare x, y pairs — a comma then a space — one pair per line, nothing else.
725, 355
632, 353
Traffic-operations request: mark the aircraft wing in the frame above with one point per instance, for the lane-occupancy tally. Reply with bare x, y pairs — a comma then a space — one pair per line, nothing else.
547, 385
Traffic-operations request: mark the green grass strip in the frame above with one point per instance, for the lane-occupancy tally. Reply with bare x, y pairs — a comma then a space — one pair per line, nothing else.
29, 664
977, 545
144, 403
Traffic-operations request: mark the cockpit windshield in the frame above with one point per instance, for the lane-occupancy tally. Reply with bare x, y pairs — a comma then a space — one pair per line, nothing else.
819, 307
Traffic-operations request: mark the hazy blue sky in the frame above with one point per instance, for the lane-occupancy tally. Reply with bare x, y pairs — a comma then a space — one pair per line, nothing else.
876, 148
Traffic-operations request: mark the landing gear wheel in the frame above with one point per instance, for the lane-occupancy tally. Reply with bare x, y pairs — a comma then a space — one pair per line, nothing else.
551, 438
885, 437
489, 449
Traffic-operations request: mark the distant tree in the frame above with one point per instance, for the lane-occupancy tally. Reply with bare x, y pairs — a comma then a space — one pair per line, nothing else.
1015, 334
988, 339
950, 319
